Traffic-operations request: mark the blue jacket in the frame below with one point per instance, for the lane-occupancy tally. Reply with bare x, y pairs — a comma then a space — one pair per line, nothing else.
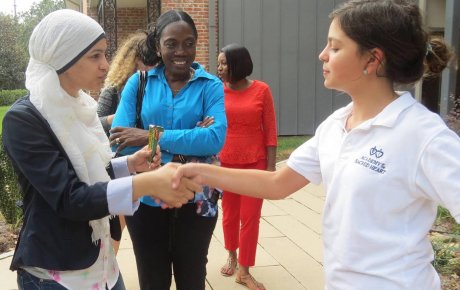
202, 96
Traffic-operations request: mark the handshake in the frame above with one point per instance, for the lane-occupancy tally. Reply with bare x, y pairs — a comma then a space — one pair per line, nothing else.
164, 183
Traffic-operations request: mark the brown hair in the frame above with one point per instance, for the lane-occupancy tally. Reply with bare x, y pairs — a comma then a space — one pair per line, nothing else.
396, 27
124, 63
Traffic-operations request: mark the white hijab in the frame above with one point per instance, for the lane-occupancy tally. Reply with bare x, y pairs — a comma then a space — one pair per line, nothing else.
57, 42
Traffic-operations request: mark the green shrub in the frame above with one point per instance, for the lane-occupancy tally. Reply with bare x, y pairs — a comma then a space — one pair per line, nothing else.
446, 249
445, 235
2, 114
8, 97
453, 117
10, 192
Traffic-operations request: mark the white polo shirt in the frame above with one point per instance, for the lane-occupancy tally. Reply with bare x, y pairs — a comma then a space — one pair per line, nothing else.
383, 180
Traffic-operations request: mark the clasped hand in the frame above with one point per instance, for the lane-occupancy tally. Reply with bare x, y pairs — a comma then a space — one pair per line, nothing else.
156, 180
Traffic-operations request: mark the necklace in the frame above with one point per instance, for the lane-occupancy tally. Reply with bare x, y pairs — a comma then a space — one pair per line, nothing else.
192, 74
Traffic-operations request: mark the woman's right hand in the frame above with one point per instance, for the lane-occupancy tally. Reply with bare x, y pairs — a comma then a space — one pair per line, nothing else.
138, 162
157, 184
127, 136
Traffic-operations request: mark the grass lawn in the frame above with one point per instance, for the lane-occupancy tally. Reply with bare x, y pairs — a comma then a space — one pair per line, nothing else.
2, 113
287, 144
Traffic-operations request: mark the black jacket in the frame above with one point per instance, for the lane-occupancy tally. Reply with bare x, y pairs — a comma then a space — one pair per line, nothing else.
57, 204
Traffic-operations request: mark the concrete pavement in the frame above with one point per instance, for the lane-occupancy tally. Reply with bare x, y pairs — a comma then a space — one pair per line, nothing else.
289, 253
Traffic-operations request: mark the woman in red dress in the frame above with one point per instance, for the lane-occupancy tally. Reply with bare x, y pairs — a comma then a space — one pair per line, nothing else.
250, 143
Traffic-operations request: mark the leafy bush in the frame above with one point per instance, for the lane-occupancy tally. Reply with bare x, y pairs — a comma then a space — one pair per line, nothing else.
8, 97
453, 118
446, 246
447, 254
13, 55
10, 192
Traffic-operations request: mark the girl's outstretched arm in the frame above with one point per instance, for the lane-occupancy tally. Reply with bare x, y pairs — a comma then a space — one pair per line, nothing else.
251, 182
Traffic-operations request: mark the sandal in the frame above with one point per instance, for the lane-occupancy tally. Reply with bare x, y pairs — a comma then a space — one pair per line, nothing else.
229, 268
250, 282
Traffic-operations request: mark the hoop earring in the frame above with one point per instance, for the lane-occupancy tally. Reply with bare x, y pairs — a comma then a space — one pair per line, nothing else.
365, 72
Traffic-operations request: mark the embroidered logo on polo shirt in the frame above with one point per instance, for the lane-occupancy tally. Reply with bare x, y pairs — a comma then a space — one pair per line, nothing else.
376, 152
371, 161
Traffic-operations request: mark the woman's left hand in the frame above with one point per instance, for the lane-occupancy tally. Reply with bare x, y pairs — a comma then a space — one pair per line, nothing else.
138, 162
207, 121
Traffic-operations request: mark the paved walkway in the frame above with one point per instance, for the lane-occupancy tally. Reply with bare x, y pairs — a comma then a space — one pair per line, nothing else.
289, 254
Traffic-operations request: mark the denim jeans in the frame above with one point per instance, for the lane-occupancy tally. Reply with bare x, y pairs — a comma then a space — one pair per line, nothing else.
27, 281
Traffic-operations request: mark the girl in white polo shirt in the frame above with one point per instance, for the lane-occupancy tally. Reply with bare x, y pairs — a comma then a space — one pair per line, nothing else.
386, 162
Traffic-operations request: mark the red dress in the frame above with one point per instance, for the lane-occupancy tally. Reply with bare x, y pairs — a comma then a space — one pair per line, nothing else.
251, 128
251, 124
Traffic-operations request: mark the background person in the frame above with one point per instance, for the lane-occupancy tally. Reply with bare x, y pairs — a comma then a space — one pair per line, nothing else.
128, 58
386, 161
250, 143
179, 94
59, 152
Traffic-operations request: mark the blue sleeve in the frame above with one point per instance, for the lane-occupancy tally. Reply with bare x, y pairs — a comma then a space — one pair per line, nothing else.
120, 196
201, 141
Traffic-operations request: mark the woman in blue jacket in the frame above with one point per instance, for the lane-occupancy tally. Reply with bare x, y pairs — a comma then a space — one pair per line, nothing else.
179, 95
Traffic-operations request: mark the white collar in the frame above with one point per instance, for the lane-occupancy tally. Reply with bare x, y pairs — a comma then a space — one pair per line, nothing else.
387, 117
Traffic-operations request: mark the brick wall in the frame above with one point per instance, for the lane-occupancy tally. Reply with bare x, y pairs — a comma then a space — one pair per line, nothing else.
131, 19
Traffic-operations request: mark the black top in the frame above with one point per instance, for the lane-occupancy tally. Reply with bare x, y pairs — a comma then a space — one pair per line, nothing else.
107, 105
57, 204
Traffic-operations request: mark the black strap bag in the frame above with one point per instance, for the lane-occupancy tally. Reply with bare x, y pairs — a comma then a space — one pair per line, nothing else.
140, 98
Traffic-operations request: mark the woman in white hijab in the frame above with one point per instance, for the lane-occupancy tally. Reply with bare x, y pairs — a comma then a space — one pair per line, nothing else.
60, 153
